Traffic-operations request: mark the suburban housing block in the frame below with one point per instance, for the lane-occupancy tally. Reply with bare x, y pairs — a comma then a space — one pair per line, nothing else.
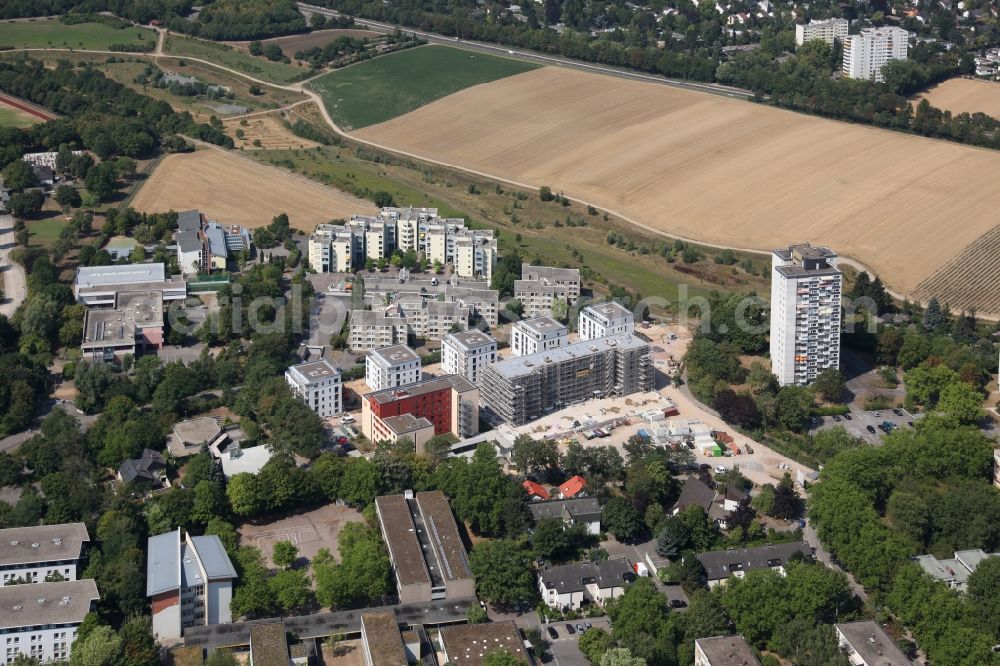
318, 384
32, 554
568, 586
41, 621
391, 367
605, 319
449, 403
540, 286
468, 353
531, 336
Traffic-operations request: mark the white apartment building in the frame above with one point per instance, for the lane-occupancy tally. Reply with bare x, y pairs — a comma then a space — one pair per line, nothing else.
431, 320
866, 54
41, 621
531, 336
34, 554
724, 651
391, 367
332, 249
372, 329
539, 286
806, 290
604, 320
467, 353
866, 644
380, 238
827, 31
475, 254
318, 384
189, 582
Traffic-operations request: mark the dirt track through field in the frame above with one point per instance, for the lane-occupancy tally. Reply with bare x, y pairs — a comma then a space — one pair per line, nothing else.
234, 189
720, 171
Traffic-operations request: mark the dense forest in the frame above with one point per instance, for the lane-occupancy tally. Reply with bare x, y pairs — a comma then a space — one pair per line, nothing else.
141, 11
243, 19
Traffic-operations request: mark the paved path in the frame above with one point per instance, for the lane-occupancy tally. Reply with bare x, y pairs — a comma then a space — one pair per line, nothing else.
824, 556
14, 285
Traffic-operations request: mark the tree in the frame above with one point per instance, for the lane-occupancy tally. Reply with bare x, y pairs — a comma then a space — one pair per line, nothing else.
284, 554
103, 647
830, 384
502, 657
533, 455
620, 519
786, 499
477, 615
503, 573
515, 307
621, 657
984, 593
792, 406
961, 403
137, 642
23, 205
291, 590
19, 176
221, 658
640, 623
925, 382
549, 539
764, 500
593, 643
68, 197
100, 180
545, 193
933, 317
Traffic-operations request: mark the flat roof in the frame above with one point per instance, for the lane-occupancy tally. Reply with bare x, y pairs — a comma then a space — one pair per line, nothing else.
445, 539
163, 565
549, 272
406, 423
395, 354
609, 310
401, 540
727, 651
43, 543
197, 431
468, 644
96, 276
170, 562
471, 339
872, 644
268, 644
519, 366
456, 382
383, 638
315, 371
65, 602
540, 326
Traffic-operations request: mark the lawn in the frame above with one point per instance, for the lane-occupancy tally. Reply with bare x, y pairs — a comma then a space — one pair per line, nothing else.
223, 54
377, 90
13, 118
46, 231
53, 34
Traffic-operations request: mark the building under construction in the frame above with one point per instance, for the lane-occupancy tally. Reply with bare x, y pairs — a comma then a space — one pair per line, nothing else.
524, 388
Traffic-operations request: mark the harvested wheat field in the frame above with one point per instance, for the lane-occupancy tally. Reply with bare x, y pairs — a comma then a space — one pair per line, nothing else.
969, 280
716, 170
268, 130
233, 188
966, 96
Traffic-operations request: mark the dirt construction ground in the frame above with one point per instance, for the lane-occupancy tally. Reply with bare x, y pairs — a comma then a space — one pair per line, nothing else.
718, 170
966, 96
309, 531
234, 189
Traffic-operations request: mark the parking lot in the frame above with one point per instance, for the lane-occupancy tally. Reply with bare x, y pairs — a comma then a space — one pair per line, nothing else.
564, 648
862, 424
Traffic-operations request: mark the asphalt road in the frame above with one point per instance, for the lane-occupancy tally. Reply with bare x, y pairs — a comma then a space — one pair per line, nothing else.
540, 58
318, 625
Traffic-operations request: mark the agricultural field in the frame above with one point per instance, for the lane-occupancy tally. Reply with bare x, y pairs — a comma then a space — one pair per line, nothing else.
50, 33
969, 280
715, 170
227, 56
231, 188
966, 96
378, 90
290, 44
264, 132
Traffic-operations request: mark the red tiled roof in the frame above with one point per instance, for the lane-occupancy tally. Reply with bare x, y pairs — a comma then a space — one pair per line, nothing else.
535, 489
573, 486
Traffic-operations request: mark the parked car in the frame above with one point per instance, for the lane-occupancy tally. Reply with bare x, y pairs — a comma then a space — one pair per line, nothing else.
836, 418
570, 629
552, 632
677, 603
580, 628
870, 429
588, 625
347, 418
719, 469
897, 412
847, 417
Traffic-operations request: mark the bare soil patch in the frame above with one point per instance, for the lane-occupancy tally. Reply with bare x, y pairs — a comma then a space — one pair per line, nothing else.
717, 170
291, 43
268, 130
966, 96
232, 188
309, 531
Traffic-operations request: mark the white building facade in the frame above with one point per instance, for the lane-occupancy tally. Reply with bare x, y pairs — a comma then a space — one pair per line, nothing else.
866, 54
605, 320
467, 354
44, 552
531, 336
391, 367
319, 385
806, 288
41, 621
826, 31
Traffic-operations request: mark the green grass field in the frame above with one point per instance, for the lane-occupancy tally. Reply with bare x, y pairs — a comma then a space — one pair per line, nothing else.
223, 54
45, 232
13, 118
377, 90
53, 34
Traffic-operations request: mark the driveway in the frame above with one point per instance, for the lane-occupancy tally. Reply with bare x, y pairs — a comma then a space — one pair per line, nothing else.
636, 552
14, 284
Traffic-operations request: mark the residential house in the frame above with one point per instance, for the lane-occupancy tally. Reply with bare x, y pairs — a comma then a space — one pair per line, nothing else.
866, 644
573, 487
149, 469
721, 565
536, 491
584, 511
570, 586
954, 572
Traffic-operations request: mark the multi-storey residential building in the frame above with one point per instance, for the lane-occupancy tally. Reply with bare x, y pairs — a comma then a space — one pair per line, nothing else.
605, 319
41, 621
866, 644
426, 551
522, 389
318, 384
391, 367
431, 320
380, 238
531, 336
826, 31
35, 554
450, 403
954, 572
189, 582
539, 286
732, 650
475, 253
371, 329
334, 248
805, 312
866, 54
474, 294
467, 353
469, 644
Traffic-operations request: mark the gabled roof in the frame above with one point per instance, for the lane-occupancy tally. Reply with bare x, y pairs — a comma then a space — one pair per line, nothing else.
535, 489
573, 486
721, 564
142, 467
695, 492
568, 578
585, 509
